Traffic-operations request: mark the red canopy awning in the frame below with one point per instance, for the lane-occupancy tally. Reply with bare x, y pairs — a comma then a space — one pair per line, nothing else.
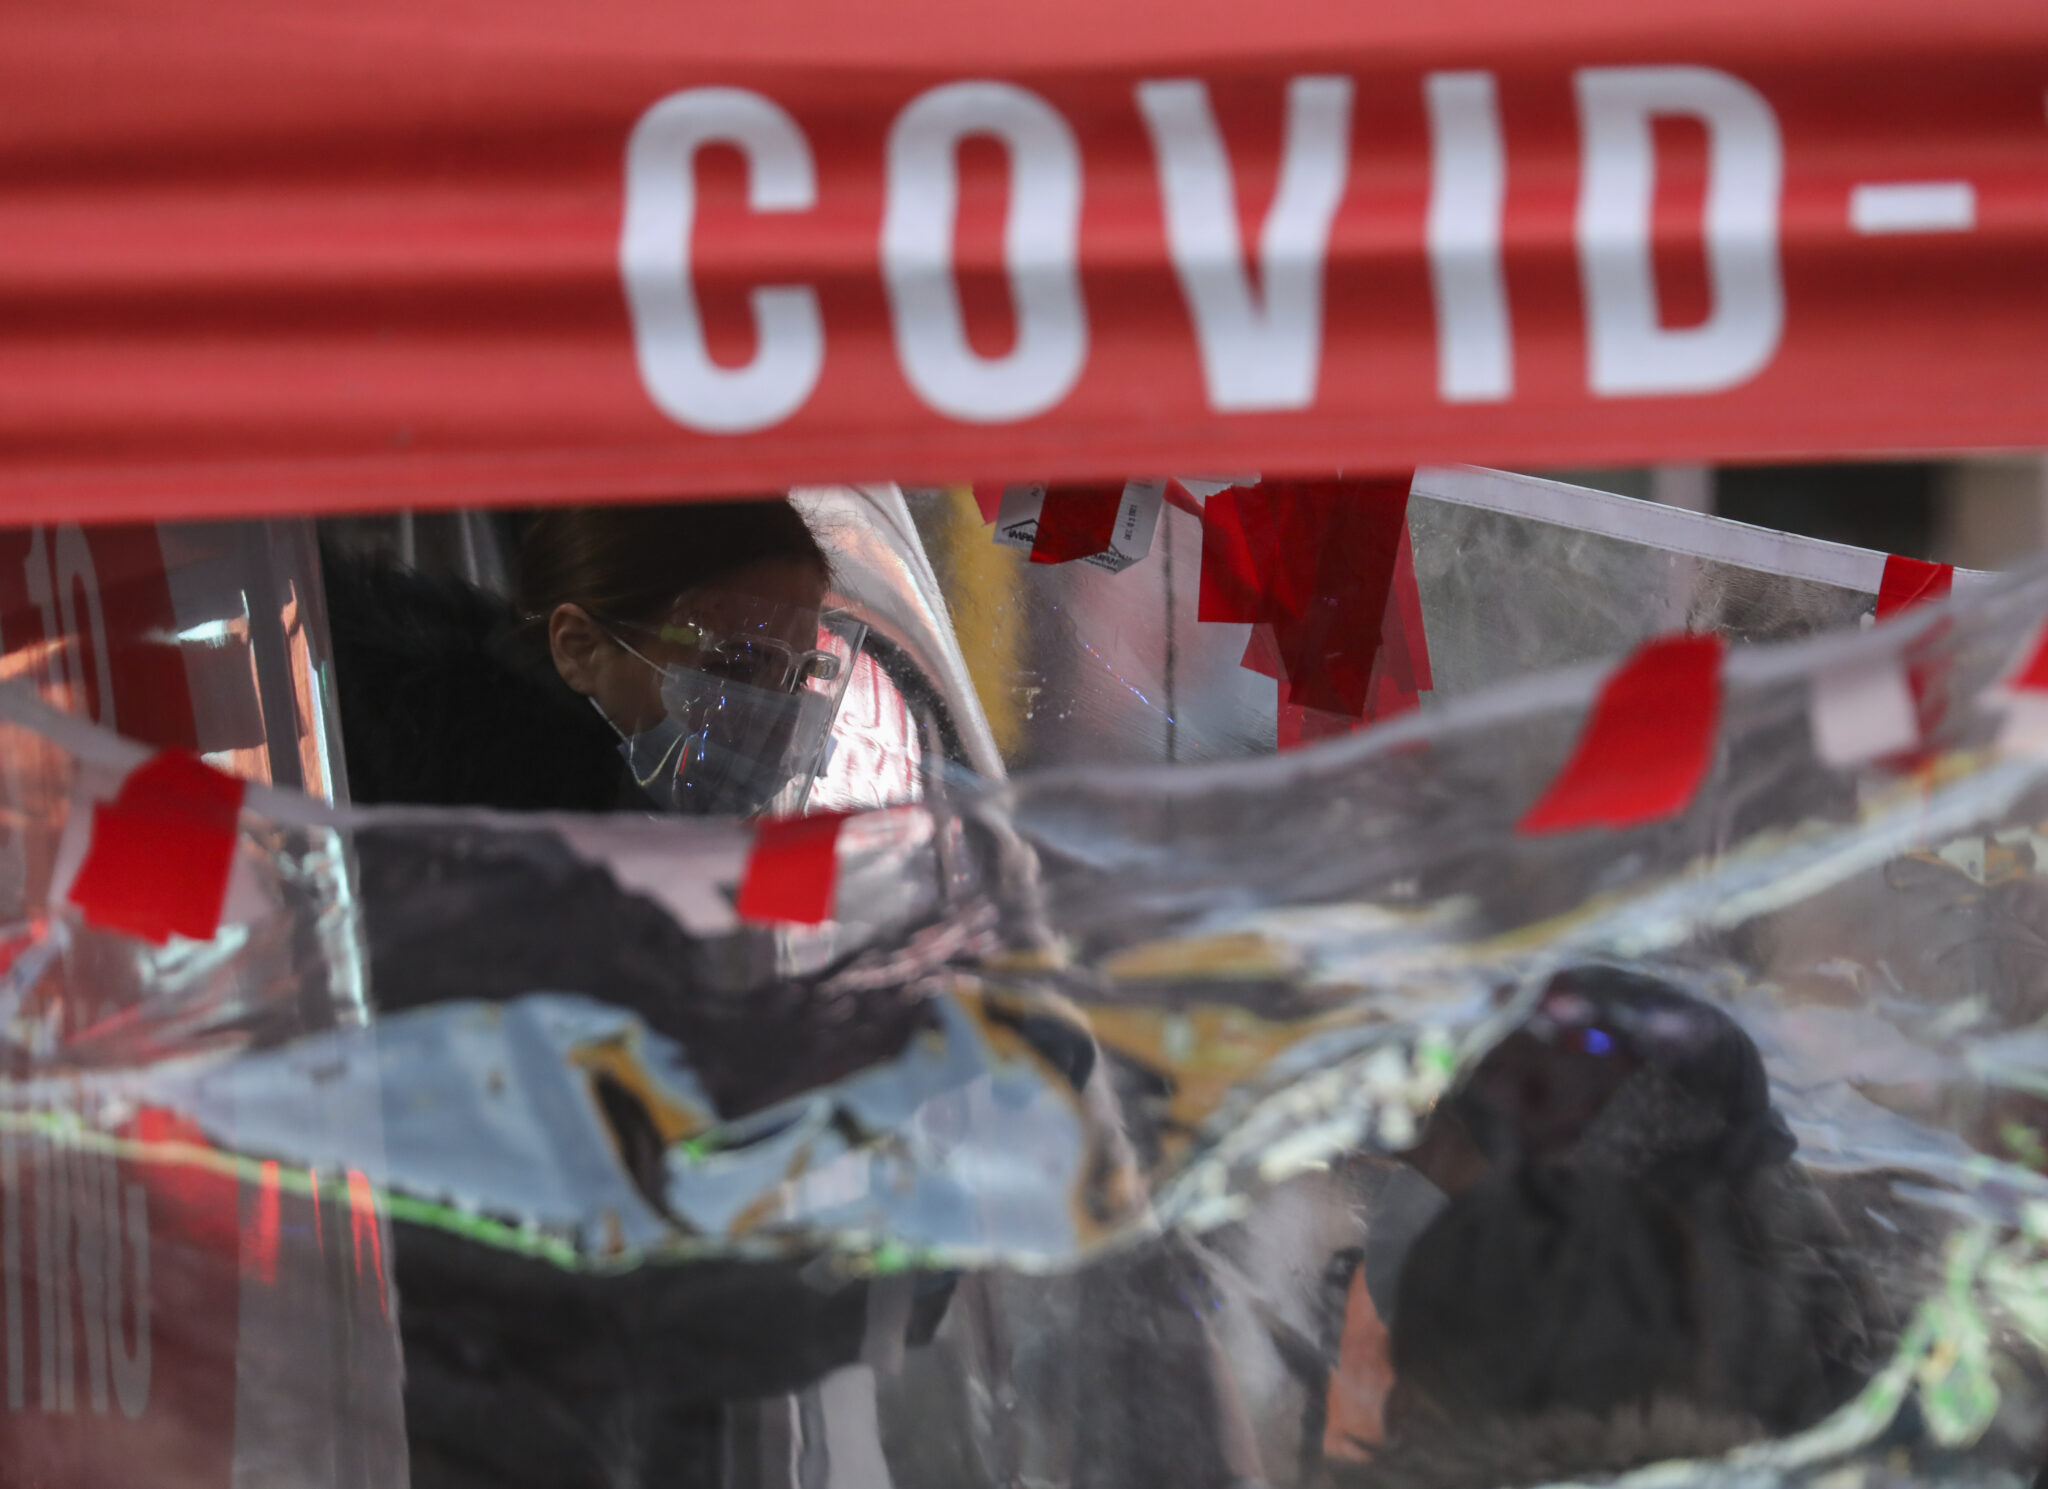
262, 257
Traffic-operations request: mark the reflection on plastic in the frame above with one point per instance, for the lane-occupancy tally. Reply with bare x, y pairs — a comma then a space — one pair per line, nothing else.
1146, 1055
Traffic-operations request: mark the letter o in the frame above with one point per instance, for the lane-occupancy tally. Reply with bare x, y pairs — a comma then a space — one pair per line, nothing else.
1041, 252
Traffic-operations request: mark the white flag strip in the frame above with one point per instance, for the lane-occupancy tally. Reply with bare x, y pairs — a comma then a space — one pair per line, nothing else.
1715, 539
1862, 710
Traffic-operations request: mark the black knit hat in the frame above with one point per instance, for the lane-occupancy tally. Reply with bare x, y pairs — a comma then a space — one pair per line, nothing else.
1619, 1070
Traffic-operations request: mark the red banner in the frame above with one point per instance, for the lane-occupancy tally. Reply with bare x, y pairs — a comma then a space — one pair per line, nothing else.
258, 258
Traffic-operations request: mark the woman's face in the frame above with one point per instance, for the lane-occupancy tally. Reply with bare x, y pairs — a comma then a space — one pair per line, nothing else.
592, 661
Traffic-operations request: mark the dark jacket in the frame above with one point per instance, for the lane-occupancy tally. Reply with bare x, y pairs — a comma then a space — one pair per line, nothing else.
448, 699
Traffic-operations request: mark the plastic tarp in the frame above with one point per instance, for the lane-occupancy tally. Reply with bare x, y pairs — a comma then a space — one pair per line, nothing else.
501, 1150
395, 255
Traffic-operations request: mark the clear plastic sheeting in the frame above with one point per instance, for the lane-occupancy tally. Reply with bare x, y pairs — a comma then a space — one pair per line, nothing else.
1518, 574
177, 1309
1077, 665
207, 637
1289, 1121
1074, 663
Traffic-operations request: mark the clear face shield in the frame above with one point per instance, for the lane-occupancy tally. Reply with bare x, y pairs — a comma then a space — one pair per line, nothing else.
748, 699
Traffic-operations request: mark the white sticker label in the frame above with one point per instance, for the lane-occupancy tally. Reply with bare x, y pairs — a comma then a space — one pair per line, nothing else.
1863, 711
1017, 517
1137, 519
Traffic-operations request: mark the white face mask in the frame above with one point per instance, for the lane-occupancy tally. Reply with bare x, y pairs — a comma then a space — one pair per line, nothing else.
724, 747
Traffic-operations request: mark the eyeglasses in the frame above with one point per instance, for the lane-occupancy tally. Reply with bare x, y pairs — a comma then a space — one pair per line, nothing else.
755, 661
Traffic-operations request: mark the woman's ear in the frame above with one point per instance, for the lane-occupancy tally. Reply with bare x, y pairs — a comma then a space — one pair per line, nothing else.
578, 645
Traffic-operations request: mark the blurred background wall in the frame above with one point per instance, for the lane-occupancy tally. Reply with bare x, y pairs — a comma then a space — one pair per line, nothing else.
1980, 513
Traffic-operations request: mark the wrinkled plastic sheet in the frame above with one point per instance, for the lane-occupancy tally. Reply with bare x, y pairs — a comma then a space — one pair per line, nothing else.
1031, 1165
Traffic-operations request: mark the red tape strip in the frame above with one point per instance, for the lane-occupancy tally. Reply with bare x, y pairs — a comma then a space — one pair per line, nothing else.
1332, 626
1912, 581
1647, 744
1238, 541
988, 496
1324, 572
792, 870
158, 862
1908, 582
1076, 522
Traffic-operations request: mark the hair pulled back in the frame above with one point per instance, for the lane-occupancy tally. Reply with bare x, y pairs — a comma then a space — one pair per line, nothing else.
629, 563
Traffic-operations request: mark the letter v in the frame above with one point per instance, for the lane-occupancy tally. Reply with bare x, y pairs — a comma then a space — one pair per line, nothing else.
1261, 349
